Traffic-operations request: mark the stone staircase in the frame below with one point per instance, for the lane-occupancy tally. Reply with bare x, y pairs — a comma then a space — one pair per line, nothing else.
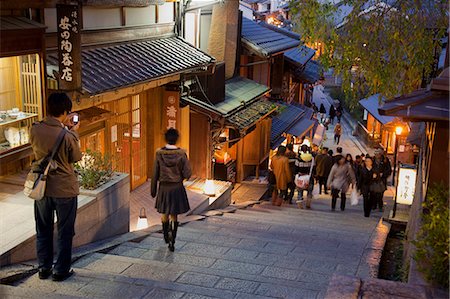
258, 252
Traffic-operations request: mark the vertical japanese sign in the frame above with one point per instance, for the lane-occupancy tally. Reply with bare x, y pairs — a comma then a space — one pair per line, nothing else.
406, 185
69, 46
171, 110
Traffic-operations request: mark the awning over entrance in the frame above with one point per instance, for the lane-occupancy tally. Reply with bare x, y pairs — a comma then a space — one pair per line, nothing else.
299, 56
310, 74
302, 127
371, 105
424, 104
294, 120
239, 92
20, 36
243, 105
248, 116
113, 67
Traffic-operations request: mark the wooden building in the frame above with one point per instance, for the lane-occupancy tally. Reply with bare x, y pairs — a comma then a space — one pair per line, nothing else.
301, 73
234, 130
129, 93
262, 58
125, 66
429, 109
22, 54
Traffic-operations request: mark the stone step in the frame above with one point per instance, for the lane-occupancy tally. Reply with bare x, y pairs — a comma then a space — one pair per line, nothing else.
221, 274
304, 219
13, 292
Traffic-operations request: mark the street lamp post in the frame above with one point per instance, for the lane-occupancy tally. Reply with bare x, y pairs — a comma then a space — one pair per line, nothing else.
398, 132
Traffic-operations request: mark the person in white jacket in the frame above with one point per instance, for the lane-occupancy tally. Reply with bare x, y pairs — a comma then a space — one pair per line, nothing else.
339, 180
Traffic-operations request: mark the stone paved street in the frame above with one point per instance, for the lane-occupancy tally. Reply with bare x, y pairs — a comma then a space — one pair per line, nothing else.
258, 252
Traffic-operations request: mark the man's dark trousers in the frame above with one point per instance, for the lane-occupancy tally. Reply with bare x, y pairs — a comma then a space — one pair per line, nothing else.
66, 211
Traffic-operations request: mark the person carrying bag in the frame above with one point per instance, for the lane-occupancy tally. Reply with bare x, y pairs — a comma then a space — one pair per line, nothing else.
36, 181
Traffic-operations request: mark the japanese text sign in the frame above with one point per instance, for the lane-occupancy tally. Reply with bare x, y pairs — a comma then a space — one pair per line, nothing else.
406, 186
69, 46
171, 110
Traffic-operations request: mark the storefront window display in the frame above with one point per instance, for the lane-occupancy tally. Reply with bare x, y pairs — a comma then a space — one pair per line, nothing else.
20, 100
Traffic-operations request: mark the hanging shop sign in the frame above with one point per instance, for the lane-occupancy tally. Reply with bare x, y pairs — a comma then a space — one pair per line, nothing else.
69, 46
171, 109
406, 185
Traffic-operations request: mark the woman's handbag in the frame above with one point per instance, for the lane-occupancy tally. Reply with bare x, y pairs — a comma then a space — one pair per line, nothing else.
36, 181
377, 187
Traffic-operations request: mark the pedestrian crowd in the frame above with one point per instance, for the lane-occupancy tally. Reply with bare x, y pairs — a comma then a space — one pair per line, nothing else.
298, 172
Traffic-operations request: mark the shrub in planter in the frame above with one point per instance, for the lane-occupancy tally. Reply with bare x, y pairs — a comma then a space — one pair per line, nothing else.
94, 170
432, 242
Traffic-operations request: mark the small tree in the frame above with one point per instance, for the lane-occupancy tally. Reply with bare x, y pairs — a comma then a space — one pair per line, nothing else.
378, 47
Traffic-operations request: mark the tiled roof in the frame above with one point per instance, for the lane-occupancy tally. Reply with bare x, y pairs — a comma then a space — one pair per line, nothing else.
248, 116
239, 91
300, 55
116, 66
429, 104
265, 41
288, 116
19, 23
371, 104
281, 30
311, 72
301, 127
420, 105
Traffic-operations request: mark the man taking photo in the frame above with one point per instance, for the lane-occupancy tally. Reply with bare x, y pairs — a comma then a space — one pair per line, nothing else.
62, 187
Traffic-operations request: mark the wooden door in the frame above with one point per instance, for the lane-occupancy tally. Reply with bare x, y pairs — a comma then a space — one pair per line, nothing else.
139, 149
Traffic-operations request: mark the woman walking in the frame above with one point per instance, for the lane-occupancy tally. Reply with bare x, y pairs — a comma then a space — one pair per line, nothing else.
281, 169
322, 112
337, 133
366, 178
171, 168
340, 176
332, 114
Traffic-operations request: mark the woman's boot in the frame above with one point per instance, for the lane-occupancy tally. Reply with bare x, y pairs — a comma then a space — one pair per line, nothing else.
165, 226
173, 228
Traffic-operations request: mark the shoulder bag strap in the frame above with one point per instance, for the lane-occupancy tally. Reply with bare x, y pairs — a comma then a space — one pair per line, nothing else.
55, 149
312, 165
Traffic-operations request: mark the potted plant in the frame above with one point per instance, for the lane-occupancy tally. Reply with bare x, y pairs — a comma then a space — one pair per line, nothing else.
94, 170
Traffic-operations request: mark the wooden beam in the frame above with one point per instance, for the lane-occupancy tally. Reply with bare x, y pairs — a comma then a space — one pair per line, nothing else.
116, 35
85, 101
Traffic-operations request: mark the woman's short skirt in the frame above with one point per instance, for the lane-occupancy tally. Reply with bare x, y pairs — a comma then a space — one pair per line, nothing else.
172, 199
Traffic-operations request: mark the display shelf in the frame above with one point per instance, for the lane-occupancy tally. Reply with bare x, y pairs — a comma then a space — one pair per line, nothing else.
10, 120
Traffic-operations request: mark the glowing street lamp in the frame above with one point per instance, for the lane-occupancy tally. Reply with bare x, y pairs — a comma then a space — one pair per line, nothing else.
398, 132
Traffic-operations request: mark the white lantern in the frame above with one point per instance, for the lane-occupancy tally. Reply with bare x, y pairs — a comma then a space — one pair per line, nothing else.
209, 188
142, 220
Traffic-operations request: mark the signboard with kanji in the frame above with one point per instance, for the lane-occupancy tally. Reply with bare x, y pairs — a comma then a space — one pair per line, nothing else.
171, 110
406, 186
69, 46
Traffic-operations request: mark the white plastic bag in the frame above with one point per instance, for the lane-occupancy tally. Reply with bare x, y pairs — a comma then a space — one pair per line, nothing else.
302, 181
354, 197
